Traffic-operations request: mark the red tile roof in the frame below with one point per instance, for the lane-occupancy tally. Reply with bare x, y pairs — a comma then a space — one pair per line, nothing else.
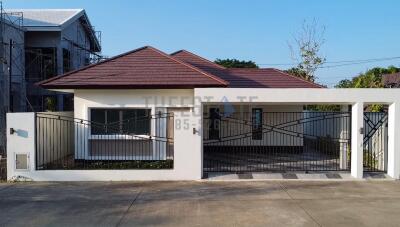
148, 67
245, 77
145, 67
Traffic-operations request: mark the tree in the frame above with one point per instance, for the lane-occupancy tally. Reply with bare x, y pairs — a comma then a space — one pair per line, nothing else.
344, 84
370, 79
295, 71
234, 63
306, 50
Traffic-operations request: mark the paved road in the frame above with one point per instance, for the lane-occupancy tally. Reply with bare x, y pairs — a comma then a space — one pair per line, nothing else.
271, 203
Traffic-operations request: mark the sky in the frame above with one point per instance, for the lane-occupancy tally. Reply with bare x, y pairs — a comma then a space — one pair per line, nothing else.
247, 30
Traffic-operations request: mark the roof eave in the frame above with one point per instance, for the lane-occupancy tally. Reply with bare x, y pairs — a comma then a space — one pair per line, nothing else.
124, 86
43, 28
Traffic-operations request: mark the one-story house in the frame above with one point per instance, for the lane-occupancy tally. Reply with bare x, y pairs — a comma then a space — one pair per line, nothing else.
149, 115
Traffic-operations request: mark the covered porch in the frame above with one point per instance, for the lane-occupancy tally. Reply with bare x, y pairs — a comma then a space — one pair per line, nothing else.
275, 138
269, 130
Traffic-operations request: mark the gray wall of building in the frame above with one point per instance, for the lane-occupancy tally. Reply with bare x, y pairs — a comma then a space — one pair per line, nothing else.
17, 61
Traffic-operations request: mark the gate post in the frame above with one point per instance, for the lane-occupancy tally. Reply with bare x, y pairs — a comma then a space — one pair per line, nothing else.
393, 165
357, 121
21, 141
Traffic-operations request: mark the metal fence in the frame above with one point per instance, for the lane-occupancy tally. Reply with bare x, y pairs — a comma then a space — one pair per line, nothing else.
375, 141
3, 139
276, 141
63, 142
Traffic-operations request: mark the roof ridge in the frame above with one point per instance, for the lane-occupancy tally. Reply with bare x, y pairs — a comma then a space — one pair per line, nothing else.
224, 82
299, 78
130, 52
46, 9
90, 66
77, 12
205, 59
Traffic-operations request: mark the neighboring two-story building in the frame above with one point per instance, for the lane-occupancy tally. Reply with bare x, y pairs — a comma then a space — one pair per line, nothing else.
56, 41
43, 43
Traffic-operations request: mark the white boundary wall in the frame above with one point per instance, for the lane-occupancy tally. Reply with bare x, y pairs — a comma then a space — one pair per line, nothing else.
188, 142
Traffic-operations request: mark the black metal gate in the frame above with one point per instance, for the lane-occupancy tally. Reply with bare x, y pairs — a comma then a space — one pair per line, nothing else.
375, 141
276, 141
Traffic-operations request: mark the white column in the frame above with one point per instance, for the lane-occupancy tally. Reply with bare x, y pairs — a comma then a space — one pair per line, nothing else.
393, 166
357, 120
21, 141
187, 145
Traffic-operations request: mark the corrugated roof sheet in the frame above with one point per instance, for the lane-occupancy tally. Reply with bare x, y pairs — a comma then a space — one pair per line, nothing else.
46, 17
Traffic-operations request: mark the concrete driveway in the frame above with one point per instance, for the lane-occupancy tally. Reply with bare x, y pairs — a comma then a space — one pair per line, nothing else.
244, 203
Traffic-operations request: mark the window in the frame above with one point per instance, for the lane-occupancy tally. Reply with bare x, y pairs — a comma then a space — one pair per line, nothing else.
120, 121
213, 127
257, 122
68, 102
40, 63
66, 60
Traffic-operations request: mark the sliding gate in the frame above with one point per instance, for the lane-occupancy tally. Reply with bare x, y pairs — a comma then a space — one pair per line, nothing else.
276, 141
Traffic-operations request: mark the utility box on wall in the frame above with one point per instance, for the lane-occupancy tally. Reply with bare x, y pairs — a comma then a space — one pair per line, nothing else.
21, 161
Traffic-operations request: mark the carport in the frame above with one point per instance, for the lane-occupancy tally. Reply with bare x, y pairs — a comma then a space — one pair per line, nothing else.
260, 130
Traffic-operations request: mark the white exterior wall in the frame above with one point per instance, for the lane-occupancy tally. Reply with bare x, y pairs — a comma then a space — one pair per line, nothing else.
188, 137
186, 161
156, 100
234, 124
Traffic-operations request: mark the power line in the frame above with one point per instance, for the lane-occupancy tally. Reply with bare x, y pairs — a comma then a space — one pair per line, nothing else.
346, 62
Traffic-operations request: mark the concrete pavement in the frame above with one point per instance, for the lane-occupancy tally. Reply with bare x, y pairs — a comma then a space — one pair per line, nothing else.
241, 203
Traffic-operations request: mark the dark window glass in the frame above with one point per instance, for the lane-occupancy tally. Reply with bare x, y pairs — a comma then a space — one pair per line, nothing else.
257, 122
125, 121
215, 118
66, 60
136, 121
68, 102
40, 63
113, 121
98, 119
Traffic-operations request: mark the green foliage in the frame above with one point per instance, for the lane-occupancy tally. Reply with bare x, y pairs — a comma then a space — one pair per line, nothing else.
344, 84
234, 63
50, 104
298, 72
370, 79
